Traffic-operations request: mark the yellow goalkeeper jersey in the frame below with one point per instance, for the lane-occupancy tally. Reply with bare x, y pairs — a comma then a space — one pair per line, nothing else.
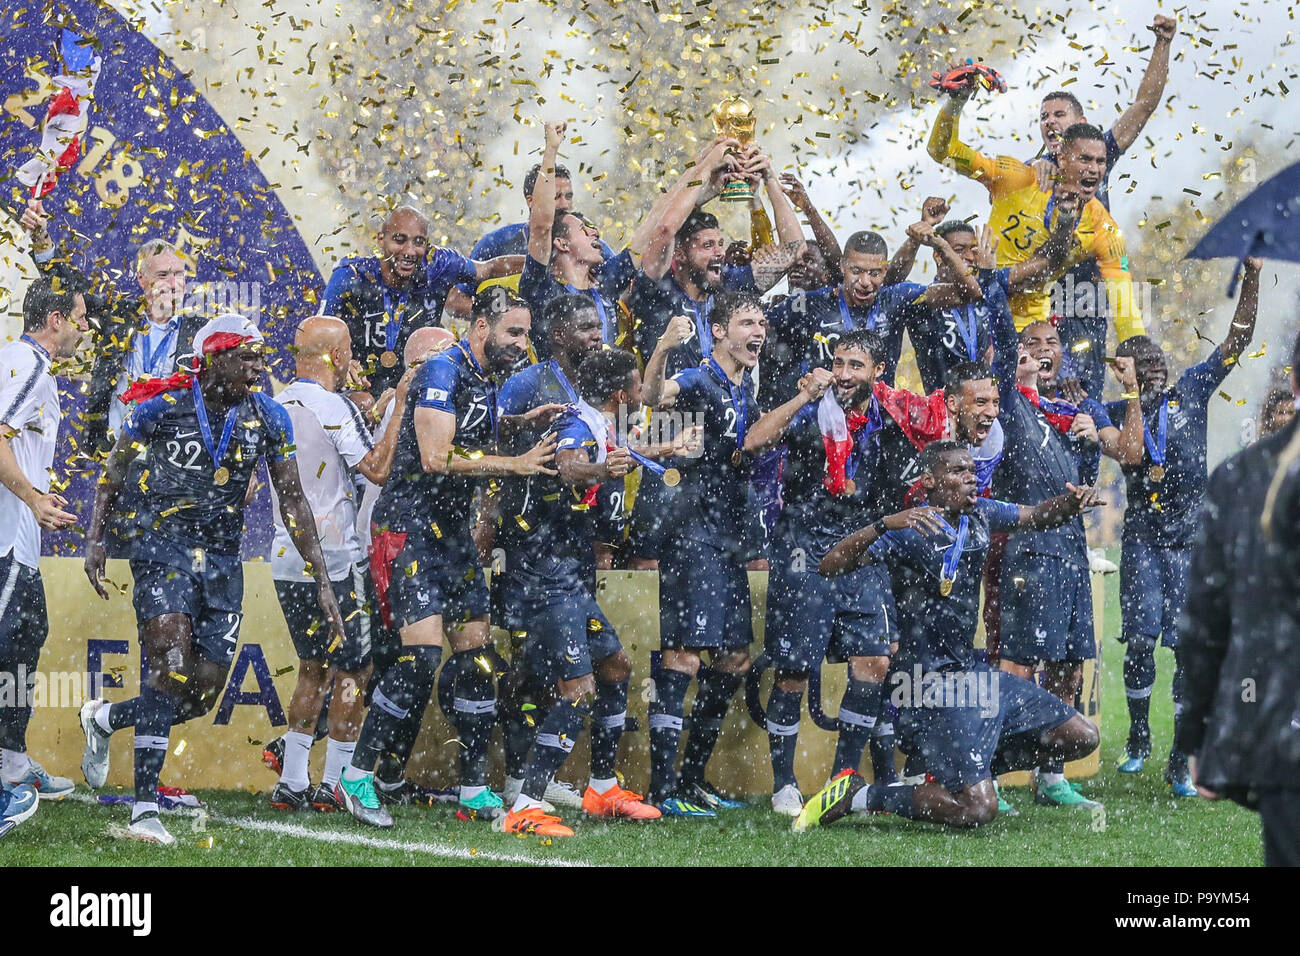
1022, 216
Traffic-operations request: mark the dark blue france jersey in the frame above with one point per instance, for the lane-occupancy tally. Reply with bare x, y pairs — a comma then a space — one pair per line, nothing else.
183, 503
1037, 459
653, 302
804, 328
511, 240
714, 503
814, 517
439, 508
937, 631
543, 383
943, 338
1165, 513
538, 287
551, 550
357, 294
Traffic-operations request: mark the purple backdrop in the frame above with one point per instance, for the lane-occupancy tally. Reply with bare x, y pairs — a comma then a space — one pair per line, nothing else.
156, 160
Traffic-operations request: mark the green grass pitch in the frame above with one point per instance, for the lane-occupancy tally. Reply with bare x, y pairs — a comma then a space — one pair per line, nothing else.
1142, 825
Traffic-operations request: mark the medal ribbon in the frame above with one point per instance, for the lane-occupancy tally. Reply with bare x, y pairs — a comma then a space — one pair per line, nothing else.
392, 321
607, 329
1156, 447
952, 557
149, 359
969, 332
205, 429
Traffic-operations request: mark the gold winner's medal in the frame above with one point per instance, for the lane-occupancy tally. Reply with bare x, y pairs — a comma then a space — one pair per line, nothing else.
221, 475
737, 457
1157, 473
388, 359
672, 477
945, 586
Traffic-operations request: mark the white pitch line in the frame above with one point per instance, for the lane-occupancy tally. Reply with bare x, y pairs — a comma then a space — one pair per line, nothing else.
353, 839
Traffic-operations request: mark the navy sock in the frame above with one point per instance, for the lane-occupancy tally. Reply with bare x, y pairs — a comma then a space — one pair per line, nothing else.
392, 763
124, 714
1139, 679
896, 800
153, 725
1177, 759
711, 703
402, 695
555, 739
608, 715
883, 769
859, 709
519, 735
666, 730
783, 709
475, 714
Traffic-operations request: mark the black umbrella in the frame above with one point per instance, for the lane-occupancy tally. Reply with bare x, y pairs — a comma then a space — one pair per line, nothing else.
1266, 224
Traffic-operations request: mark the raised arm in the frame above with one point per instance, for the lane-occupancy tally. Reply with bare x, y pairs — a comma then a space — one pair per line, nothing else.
695, 183
660, 391
789, 233
502, 266
900, 267
1129, 126
821, 230
768, 431
1126, 444
542, 217
1243, 321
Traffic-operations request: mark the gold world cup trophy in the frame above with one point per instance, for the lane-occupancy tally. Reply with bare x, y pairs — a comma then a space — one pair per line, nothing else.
734, 117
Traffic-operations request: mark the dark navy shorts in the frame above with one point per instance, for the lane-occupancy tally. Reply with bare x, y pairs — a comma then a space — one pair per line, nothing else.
1046, 609
703, 598
173, 579
313, 640
985, 722
1152, 589
811, 618
564, 636
428, 579
24, 623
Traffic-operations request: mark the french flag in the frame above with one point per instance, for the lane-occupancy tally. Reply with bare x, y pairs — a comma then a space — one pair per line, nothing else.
66, 118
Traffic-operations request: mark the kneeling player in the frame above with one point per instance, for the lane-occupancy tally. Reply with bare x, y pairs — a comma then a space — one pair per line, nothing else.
963, 721
571, 651
189, 583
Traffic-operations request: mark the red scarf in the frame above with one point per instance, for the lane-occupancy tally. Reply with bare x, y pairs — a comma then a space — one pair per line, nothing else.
1058, 412
147, 388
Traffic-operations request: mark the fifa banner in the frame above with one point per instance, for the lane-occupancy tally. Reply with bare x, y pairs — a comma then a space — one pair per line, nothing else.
122, 148
93, 651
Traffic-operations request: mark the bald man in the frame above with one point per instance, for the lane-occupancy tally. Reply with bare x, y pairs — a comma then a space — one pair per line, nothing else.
333, 447
384, 298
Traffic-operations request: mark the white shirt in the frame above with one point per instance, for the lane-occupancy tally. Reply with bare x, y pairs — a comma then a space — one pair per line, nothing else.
156, 342
29, 404
330, 439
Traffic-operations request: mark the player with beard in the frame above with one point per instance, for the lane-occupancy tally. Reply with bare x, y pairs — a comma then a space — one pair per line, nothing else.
425, 565
966, 722
383, 298
843, 459
571, 654
1025, 216
188, 577
1083, 316
704, 602
528, 404
1165, 491
1045, 590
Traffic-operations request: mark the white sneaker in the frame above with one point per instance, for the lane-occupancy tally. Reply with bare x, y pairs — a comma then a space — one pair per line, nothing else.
563, 795
1098, 563
94, 759
150, 829
514, 787
787, 801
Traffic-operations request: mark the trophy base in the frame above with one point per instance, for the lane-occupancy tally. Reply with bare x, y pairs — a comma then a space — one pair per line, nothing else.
736, 192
